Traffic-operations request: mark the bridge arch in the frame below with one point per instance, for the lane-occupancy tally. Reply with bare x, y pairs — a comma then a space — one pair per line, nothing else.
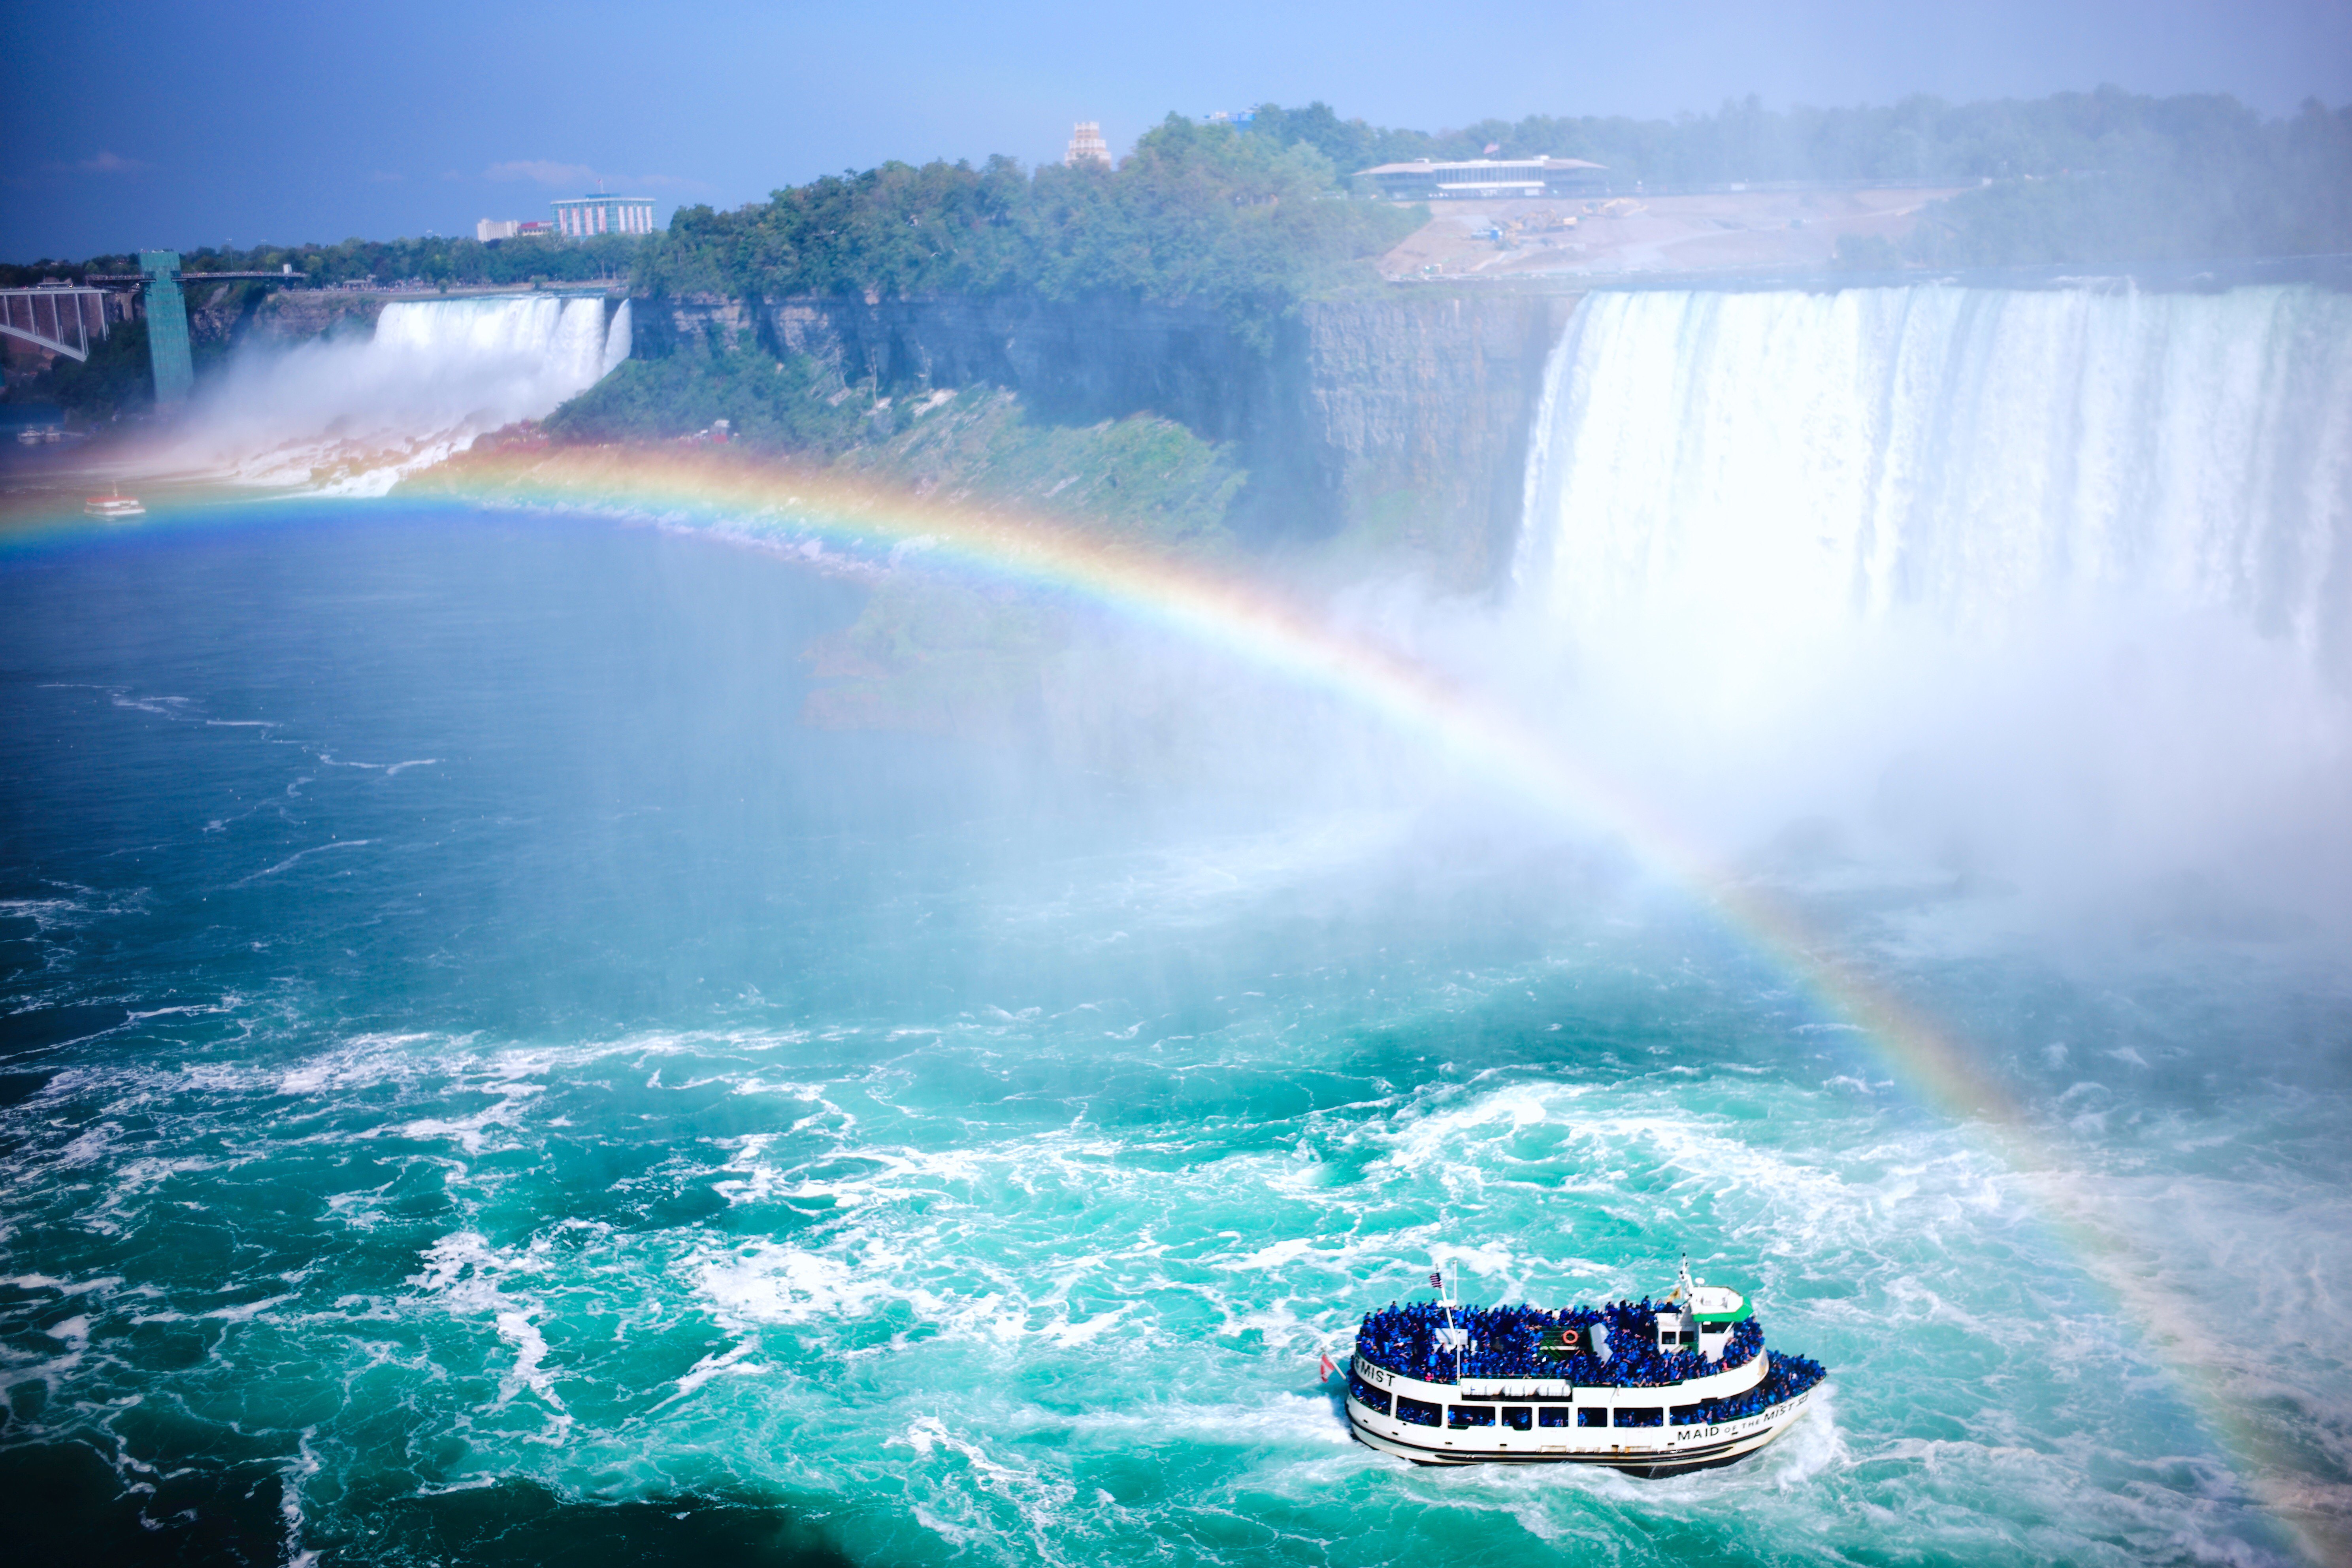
63, 319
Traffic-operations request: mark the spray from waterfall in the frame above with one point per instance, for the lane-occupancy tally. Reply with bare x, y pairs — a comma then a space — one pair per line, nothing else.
352, 416
2049, 587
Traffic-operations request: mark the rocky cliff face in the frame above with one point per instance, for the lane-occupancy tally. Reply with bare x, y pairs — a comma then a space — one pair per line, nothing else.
1397, 421
292, 315
1421, 405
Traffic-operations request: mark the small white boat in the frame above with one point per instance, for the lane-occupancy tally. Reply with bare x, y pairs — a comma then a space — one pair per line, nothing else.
1649, 1389
113, 505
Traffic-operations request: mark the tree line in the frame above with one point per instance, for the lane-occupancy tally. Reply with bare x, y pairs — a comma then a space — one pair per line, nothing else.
2103, 177
431, 259
1198, 214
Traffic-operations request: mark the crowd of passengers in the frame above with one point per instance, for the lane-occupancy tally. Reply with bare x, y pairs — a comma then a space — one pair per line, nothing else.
1507, 1342
1785, 1377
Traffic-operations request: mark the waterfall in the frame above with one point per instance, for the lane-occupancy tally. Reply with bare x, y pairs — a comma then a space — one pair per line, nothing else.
2075, 558
352, 416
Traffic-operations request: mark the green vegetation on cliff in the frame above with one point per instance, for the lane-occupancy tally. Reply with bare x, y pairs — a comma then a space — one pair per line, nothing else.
1198, 214
1143, 477
114, 380
785, 404
927, 653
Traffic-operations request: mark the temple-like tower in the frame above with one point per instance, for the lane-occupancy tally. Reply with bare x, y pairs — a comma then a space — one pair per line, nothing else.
1087, 146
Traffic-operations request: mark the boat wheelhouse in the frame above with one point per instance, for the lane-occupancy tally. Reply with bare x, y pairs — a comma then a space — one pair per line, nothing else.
1649, 1388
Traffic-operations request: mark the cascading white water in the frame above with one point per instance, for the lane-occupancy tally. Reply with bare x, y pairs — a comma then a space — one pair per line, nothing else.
2061, 574
352, 416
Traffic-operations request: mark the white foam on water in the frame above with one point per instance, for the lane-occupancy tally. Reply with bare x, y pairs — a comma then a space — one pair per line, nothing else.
732, 1362
769, 1282
472, 1132
304, 1466
63, 1287
470, 1277
957, 1509
983, 1272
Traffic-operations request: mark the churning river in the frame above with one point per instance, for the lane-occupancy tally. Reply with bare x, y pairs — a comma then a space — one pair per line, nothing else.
484, 1082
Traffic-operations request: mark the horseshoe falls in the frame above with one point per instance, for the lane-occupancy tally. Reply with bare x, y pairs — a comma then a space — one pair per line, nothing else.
2054, 580
483, 1080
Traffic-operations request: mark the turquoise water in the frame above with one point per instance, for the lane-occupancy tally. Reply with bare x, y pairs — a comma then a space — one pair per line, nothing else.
483, 1082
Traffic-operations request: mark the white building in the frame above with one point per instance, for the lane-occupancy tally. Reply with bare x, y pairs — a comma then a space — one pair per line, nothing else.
1087, 146
583, 217
1487, 179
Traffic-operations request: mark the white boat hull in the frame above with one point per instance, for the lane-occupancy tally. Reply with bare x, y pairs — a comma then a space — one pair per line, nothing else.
1643, 1451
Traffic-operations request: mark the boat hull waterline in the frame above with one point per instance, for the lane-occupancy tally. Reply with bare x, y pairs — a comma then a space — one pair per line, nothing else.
1647, 1452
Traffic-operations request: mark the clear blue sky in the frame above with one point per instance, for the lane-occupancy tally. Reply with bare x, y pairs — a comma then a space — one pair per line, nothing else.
146, 124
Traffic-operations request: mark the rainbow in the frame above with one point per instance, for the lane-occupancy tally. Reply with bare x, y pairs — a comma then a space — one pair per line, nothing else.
750, 499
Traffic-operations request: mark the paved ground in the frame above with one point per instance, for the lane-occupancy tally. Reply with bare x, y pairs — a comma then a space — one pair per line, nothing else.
1653, 234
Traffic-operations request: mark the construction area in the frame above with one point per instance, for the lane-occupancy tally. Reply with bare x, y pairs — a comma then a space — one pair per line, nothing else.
1717, 232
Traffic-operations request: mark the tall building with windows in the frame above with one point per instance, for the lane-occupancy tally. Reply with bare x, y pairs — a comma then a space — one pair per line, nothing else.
583, 217
1087, 146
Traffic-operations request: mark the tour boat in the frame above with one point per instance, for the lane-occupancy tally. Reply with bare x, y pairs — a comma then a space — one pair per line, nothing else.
114, 504
1653, 1389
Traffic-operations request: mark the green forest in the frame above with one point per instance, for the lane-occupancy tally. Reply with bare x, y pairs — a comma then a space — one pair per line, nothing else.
1198, 213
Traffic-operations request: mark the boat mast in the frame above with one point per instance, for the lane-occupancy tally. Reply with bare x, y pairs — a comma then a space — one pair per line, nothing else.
1456, 1338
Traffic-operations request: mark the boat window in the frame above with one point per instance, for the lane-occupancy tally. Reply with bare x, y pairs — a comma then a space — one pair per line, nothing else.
1640, 1415
1415, 1412
1553, 1415
1591, 1415
1519, 1417
1366, 1394
1461, 1417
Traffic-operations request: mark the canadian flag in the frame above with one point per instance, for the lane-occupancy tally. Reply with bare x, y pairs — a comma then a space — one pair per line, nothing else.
1328, 1368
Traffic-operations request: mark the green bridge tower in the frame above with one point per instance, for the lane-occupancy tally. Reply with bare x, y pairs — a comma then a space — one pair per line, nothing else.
167, 328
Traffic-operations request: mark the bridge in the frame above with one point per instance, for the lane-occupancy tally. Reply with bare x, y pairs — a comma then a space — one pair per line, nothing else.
167, 316
63, 318
67, 318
